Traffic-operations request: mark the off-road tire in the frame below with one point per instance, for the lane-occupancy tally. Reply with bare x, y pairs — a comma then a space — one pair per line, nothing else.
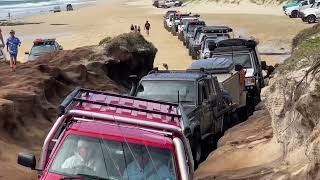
294, 14
227, 123
196, 149
243, 113
311, 19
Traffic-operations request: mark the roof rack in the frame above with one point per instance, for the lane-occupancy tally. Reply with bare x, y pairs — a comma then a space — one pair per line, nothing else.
156, 70
76, 96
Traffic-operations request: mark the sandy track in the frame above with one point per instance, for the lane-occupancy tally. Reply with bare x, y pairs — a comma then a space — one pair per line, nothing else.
87, 26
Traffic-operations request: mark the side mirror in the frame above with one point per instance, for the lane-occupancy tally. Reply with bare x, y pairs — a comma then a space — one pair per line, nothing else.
238, 67
26, 53
27, 160
213, 100
263, 65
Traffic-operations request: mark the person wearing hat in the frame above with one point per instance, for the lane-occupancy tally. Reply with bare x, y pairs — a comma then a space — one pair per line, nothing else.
81, 158
12, 47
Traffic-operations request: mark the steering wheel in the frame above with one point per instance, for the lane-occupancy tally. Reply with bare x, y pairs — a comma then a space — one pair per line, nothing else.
84, 168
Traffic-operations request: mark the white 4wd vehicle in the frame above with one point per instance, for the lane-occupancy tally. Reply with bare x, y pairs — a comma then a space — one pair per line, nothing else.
208, 45
294, 11
311, 14
169, 3
169, 22
184, 22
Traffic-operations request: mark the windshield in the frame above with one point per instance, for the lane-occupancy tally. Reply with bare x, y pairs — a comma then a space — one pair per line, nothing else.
167, 91
191, 28
242, 59
102, 158
42, 49
210, 44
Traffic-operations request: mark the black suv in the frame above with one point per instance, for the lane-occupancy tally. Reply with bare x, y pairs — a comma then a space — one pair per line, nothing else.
200, 97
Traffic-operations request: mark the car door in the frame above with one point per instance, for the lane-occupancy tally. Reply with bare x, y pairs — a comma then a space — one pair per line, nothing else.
303, 5
205, 122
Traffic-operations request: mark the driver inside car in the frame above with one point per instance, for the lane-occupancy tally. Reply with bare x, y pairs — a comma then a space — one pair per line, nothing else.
81, 158
148, 165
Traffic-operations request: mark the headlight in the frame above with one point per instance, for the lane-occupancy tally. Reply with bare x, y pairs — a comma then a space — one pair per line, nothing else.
250, 81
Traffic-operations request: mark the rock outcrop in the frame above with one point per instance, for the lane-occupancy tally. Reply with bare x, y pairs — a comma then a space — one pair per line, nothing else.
30, 96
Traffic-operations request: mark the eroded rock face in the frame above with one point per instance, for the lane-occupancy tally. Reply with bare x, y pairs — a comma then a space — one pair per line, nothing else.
293, 101
30, 96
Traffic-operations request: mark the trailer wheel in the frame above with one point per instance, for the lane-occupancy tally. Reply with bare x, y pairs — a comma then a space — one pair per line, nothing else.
243, 113
227, 123
196, 149
311, 19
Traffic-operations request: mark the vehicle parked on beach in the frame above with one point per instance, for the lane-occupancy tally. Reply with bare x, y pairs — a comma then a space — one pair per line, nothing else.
207, 46
229, 77
69, 7
41, 47
100, 135
312, 14
207, 32
56, 9
244, 51
184, 21
189, 31
294, 11
176, 19
201, 99
168, 19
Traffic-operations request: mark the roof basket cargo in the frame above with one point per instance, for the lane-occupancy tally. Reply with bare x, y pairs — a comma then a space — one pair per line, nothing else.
250, 43
77, 97
217, 29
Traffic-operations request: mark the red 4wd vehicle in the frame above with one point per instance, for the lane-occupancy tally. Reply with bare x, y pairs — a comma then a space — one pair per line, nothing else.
108, 136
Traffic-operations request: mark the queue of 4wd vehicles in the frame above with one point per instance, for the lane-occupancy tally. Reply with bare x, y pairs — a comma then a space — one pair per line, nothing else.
166, 125
307, 10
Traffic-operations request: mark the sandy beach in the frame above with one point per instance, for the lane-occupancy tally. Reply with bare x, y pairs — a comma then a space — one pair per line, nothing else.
88, 25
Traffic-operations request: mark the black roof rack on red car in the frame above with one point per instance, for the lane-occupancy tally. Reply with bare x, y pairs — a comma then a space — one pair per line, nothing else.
76, 96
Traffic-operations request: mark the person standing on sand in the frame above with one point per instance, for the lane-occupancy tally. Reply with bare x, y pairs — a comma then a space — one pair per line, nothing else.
12, 47
132, 28
1, 38
135, 29
147, 27
139, 30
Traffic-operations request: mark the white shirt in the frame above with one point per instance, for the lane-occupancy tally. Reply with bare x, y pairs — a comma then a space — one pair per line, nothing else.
76, 160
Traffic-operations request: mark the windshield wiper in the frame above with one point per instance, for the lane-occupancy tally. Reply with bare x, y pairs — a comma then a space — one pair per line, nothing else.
83, 176
91, 177
71, 177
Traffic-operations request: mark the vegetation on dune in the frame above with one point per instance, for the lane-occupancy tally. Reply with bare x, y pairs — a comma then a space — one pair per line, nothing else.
132, 41
105, 41
305, 50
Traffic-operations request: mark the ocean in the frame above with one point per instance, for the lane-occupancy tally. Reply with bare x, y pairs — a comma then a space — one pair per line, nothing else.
20, 8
